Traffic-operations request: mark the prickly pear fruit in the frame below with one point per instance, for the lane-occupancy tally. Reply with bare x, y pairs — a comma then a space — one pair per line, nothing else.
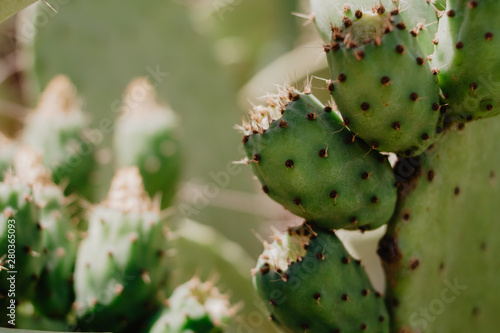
194, 306
54, 291
21, 239
381, 79
310, 283
123, 262
146, 136
308, 161
56, 131
467, 59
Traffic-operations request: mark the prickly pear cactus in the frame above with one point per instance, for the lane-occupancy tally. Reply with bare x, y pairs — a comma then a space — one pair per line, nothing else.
56, 130
146, 136
440, 250
371, 52
123, 262
54, 291
467, 58
193, 307
298, 149
312, 284
21, 239
398, 95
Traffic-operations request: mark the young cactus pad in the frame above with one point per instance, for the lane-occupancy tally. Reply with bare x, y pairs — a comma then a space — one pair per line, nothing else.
194, 307
308, 161
54, 291
146, 136
123, 261
55, 130
381, 79
310, 283
19, 216
467, 58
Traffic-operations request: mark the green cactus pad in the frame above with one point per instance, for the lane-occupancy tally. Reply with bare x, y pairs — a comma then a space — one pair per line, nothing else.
146, 136
123, 262
194, 307
309, 162
467, 58
54, 291
56, 130
16, 204
381, 79
441, 250
311, 284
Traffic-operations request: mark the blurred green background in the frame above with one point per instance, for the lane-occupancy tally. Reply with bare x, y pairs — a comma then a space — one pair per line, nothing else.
208, 59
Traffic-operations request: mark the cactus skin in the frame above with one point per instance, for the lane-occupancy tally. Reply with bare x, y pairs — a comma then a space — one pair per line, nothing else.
444, 233
54, 291
311, 284
16, 202
146, 136
467, 59
194, 307
55, 130
123, 261
381, 79
301, 159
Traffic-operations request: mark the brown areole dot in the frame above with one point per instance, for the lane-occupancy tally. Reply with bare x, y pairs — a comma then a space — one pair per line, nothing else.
245, 139
311, 116
401, 26
265, 189
425, 136
333, 195
322, 153
396, 125
472, 4
346, 260
272, 302
283, 124
289, 163
473, 86
327, 109
488, 36
297, 201
430, 175
363, 326
400, 49
353, 220
414, 263
365, 106
342, 77
459, 45
331, 87
317, 296
385, 80
489, 107
436, 107
365, 175
456, 191
360, 54
265, 269
256, 158
364, 292
414, 96
451, 13
374, 199
420, 61
344, 297
358, 14
320, 256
